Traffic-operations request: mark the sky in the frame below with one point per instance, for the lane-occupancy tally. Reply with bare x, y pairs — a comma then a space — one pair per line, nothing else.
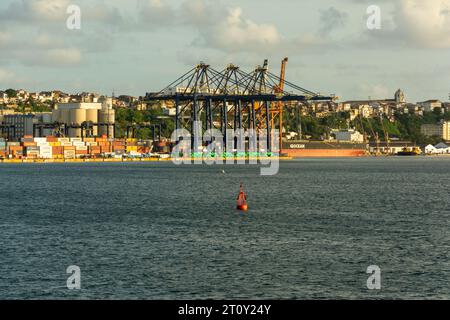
138, 46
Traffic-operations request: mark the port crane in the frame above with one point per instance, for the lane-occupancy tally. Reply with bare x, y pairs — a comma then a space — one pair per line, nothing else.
278, 109
232, 99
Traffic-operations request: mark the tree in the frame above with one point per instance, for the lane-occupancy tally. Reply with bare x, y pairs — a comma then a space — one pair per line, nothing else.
11, 93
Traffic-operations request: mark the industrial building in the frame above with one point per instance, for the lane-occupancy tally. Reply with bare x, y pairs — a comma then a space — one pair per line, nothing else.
15, 126
100, 116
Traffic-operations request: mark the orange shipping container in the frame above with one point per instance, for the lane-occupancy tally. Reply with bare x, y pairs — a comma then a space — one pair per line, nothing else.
69, 148
52, 139
57, 150
29, 144
15, 148
106, 149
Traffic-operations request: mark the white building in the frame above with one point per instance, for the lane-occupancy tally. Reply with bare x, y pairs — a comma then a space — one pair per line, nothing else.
440, 148
430, 105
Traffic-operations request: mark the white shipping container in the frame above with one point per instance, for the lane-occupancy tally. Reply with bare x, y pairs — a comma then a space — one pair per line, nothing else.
69, 154
46, 155
66, 144
43, 144
75, 140
63, 139
78, 144
81, 148
38, 140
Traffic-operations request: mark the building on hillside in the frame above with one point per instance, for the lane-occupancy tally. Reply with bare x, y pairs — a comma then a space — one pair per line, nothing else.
430, 105
441, 130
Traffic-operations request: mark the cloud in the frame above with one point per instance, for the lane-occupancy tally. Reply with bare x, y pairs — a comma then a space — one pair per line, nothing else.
235, 33
331, 19
156, 13
217, 26
36, 10
37, 34
6, 76
58, 57
426, 23
64, 56
414, 24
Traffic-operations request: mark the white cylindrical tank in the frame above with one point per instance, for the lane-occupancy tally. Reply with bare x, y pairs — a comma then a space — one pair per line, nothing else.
77, 117
92, 116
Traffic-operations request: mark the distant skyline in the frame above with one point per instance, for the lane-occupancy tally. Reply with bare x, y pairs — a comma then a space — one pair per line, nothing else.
133, 47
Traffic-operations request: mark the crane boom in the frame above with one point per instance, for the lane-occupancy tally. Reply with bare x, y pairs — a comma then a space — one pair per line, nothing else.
278, 90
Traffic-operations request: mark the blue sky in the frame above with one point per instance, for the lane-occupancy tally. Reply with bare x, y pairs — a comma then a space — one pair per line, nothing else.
136, 46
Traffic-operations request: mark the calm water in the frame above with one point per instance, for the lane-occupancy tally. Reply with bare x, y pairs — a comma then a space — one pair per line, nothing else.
158, 231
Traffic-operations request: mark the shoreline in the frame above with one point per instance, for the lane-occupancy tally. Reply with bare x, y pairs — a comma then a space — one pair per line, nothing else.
112, 160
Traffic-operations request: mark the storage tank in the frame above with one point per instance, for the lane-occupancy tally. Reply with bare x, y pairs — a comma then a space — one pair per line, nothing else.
107, 116
77, 117
92, 116
56, 115
65, 116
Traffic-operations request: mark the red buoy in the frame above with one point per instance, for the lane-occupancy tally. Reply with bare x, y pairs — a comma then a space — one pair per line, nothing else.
242, 200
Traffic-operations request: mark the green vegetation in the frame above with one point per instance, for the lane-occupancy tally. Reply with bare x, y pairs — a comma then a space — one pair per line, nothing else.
33, 106
11, 93
405, 127
126, 117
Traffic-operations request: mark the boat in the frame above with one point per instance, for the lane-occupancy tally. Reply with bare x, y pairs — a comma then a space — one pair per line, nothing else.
323, 148
406, 151
242, 200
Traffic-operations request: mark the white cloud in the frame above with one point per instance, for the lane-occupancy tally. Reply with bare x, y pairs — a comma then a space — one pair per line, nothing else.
414, 24
237, 33
425, 22
217, 26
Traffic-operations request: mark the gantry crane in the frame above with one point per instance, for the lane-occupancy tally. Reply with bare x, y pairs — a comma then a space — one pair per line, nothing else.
278, 108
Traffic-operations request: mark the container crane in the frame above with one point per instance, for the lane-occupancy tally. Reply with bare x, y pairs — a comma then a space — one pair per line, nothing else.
279, 89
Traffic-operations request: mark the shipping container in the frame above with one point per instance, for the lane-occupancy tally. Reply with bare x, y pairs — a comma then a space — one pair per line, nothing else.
51, 139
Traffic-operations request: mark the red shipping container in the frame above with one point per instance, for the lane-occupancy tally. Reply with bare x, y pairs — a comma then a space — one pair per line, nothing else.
52, 139
57, 150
